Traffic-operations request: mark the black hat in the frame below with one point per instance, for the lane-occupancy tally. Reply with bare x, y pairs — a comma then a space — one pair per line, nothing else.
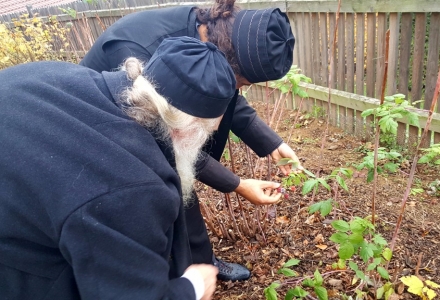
195, 77
264, 42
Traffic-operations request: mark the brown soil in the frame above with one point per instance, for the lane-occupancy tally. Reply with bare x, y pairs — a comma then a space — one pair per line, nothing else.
287, 230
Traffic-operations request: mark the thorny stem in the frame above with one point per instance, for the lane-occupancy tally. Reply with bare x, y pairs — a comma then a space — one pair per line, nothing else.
234, 222
414, 163
299, 280
230, 155
376, 141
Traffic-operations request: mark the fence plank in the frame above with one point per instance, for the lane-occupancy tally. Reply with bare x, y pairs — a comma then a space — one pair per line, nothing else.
393, 54
332, 47
371, 54
380, 62
360, 55
301, 42
401, 133
419, 51
433, 59
308, 50
324, 48
294, 24
405, 48
316, 59
341, 53
349, 33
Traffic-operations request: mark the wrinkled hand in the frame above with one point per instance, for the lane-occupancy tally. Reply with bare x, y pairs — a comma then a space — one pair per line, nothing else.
259, 192
284, 151
209, 275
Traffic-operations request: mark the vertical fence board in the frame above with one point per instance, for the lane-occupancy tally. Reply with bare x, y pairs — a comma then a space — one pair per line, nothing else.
433, 59
324, 48
419, 51
359, 125
349, 19
332, 47
333, 114
316, 59
341, 53
393, 53
405, 48
301, 41
308, 43
413, 137
294, 24
371, 54
350, 119
401, 133
380, 62
360, 56
436, 137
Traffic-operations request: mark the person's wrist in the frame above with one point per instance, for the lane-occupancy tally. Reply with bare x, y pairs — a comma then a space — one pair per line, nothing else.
196, 279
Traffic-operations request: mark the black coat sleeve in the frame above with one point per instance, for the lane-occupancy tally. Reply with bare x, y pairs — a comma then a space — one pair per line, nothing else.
118, 245
253, 130
118, 51
213, 173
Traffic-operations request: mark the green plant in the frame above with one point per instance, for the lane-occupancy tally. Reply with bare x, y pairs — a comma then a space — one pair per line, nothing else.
315, 282
313, 183
324, 207
430, 155
434, 188
290, 82
358, 239
318, 111
394, 107
69, 11
387, 161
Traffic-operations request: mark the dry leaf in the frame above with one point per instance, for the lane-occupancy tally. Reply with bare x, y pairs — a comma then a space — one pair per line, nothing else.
322, 247
283, 220
318, 239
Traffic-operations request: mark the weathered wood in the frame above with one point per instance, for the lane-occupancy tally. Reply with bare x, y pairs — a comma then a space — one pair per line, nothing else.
380, 61
301, 42
324, 48
413, 138
393, 54
433, 59
360, 56
334, 114
436, 137
341, 53
401, 133
316, 58
332, 49
418, 57
349, 33
356, 6
308, 51
350, 120
371, 53
405, 48
294, 24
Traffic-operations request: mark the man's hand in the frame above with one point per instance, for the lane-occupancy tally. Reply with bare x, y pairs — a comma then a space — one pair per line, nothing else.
209, 275
259, 192
284, 151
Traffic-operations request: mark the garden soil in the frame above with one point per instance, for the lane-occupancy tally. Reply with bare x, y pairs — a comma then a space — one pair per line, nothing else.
286, 230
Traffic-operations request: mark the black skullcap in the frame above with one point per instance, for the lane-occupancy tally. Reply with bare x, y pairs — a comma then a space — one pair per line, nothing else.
264, 42
195, 77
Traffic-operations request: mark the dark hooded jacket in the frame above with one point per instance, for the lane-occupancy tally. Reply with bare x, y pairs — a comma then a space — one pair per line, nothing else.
139, 34
90, 203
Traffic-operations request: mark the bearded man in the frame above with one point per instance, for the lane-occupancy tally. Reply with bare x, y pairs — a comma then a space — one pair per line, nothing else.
94, 168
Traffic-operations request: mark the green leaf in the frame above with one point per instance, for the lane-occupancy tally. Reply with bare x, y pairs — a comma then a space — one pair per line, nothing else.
287, 272
270, 293
310, 174
366, 252
289, 295
341, 225
324, 183
383, 273
291, 262
299, 292
379, 292
360, 274
326, 207
315, 207
346, 250
318, 278
367, 112
341, 182
339, 237
285, 161
356, 238
353, 265
309, 185
379, 240
424, 159
308, 282
357, 226
321, 293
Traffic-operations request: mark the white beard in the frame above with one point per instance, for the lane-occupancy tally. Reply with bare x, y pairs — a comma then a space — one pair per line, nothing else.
187, 145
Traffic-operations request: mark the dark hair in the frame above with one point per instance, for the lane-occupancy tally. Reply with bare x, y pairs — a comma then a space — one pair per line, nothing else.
219, 20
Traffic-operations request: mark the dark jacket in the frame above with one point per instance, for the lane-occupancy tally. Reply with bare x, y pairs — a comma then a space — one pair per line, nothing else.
90, 206
138, 35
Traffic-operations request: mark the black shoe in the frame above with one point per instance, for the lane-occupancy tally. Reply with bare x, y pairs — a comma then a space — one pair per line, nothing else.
229, 271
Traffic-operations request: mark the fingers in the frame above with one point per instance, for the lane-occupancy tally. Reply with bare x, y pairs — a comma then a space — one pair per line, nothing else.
209, 275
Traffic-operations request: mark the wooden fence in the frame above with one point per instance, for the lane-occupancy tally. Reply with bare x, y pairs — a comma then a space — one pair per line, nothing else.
358, 56
345, 112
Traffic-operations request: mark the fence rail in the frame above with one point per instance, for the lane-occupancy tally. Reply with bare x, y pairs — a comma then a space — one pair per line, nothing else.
345, 112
